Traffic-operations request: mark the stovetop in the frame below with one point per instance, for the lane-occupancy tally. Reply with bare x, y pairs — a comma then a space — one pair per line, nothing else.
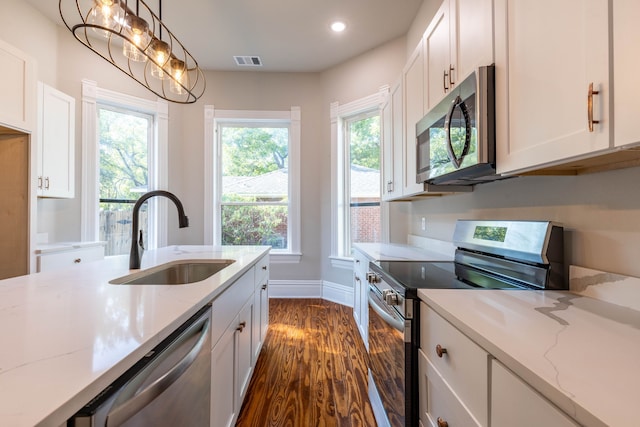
406, 277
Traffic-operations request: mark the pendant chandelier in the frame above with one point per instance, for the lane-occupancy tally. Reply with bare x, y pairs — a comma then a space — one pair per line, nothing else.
129, 35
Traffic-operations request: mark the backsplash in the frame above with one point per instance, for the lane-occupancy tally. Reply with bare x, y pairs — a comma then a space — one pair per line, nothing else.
610, 287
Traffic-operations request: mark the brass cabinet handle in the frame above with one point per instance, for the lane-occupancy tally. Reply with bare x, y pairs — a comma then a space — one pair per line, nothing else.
77, 260
451, 69
440, 351
241, 326
442, 423
590, 106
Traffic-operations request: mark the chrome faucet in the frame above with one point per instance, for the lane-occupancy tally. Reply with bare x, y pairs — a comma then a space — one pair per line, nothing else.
135, 256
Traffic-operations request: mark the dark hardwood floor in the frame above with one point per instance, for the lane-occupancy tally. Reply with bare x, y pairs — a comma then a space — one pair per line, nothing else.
312, 370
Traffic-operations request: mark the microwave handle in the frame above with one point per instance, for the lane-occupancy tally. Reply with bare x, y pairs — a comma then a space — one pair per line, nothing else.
458, 102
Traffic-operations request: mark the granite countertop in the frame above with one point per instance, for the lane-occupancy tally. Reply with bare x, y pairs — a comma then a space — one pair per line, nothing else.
68, 334
583, 354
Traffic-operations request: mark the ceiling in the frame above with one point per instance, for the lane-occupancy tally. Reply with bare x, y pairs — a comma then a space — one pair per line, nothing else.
288, 35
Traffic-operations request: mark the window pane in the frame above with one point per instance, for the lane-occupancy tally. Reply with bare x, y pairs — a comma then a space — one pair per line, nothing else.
254, 225
364, 153
254, 171
124, 141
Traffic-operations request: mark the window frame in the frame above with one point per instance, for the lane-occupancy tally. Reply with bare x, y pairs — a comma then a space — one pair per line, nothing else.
158, 165
340, 200
213, 173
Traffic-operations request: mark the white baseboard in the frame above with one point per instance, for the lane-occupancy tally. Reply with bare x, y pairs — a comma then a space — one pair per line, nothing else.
329, 291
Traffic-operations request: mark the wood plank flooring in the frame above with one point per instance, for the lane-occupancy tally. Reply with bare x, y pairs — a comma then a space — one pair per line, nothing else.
311, 371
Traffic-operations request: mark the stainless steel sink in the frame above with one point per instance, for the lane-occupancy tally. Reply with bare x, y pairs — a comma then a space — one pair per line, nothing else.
175, 273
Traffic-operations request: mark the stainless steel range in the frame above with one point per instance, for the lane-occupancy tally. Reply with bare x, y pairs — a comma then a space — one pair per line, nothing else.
515, 255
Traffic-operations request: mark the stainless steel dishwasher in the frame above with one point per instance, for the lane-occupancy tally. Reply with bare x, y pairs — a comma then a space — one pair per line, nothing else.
169, 386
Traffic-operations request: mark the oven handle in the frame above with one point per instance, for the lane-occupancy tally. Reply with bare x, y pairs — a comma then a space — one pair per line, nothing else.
376, 303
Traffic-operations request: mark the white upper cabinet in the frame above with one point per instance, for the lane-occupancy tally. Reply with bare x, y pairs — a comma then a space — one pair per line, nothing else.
548, 55
56, 143
17, 89
626, 39
413, 111
458, 40
392, 133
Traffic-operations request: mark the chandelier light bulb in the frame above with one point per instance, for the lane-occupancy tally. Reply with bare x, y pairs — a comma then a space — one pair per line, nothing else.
178, 75
106, 17
160, 52
137, 30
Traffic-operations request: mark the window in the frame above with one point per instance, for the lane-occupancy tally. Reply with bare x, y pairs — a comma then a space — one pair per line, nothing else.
125, 138
124, 155
252, 168
362, 178
356, 209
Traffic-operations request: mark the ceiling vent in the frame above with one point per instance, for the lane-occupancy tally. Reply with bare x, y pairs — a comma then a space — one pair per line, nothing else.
248, 61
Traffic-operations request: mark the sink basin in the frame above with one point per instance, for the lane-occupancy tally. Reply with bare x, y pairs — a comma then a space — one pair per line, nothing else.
175, 273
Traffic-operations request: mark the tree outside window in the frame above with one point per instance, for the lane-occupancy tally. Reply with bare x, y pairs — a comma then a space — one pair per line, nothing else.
124, 140
255, 186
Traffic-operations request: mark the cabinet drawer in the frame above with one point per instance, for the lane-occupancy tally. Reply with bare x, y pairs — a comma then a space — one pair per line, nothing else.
262, 271
228, 304
515, 403
438, 401
62, 260
462, 363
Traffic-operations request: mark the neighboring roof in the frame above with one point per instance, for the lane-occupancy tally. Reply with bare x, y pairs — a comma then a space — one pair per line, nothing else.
365, 183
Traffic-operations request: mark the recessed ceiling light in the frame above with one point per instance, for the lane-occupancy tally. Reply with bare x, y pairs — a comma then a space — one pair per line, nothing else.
338, 26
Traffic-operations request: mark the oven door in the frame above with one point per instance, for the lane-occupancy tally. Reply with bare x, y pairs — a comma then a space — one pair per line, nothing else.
387, 357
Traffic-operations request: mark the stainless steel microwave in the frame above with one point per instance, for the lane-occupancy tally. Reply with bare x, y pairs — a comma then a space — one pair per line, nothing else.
456, 142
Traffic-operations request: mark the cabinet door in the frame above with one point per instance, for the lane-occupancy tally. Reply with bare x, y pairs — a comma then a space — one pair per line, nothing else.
224, 404
544, 67
17, 89
514, 403
56, 143
626, 39
437, 56
392, 144
472, 36
261, 318
413, 96
244, 356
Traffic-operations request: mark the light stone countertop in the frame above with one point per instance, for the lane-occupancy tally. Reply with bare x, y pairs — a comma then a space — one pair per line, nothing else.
66, 335
435, 251
581, 353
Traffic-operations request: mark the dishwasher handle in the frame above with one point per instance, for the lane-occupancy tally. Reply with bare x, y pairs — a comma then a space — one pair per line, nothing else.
128, 403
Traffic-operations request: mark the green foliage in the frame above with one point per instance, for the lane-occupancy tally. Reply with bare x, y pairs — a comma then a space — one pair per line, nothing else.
364, 140
248, 151
254, 225
123, 154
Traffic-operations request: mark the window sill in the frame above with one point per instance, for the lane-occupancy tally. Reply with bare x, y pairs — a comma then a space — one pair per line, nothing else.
345, 263
284, 257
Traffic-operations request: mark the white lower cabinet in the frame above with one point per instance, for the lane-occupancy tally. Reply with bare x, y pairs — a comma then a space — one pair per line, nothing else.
453, 374
460, 384
514, 403
67, 258
360, 294
238, 314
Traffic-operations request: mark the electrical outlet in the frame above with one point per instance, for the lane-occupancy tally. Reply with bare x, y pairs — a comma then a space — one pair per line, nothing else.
424, 223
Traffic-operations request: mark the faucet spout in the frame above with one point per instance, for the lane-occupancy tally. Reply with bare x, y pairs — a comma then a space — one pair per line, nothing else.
137, 244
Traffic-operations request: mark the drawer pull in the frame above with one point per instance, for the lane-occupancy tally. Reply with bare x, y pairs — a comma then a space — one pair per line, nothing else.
77, 260
264, 287
241, 326
442, 423
264, 267
440, 351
